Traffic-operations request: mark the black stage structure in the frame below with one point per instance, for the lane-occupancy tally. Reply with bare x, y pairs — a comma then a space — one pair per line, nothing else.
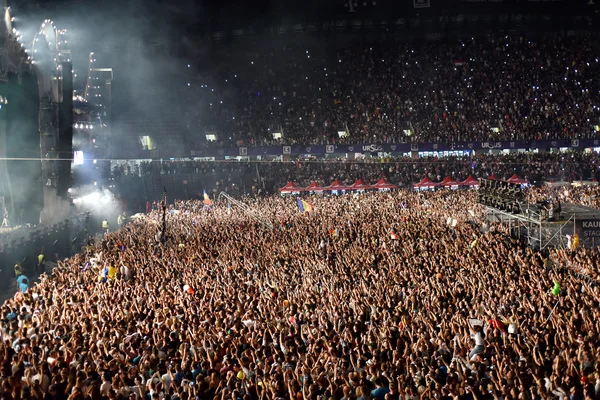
541, 225
21, 190
36, 124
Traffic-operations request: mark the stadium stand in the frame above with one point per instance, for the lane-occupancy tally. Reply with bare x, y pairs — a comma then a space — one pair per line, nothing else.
473, 89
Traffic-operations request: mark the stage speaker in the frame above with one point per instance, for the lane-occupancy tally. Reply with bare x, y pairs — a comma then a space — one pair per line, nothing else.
65, 130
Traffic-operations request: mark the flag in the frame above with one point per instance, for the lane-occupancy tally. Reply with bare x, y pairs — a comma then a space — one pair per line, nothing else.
575, 243
403, 323
304, 206
207, 199
555, 289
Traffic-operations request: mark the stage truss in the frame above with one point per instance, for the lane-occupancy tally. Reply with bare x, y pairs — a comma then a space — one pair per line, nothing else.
530, 228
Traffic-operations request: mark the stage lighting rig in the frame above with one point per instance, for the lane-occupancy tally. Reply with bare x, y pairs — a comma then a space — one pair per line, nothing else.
501, 195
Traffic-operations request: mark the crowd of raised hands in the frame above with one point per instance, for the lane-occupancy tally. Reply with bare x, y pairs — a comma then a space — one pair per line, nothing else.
391, 295
453, 91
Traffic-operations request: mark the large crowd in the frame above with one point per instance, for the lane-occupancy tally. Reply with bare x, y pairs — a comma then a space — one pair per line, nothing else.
388, 91
392, 295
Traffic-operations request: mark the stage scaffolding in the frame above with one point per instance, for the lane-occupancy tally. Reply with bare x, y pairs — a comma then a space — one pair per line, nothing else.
532, 228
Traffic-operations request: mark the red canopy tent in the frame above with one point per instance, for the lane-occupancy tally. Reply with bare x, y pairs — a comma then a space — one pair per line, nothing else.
360, 185
382, 184
314, 187
337, 185
470, 181
448, 182
291, 187
519, 181
493, 177
425, 183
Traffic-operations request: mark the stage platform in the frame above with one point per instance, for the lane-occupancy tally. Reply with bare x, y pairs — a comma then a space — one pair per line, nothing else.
14, 233
570, 210
531, 224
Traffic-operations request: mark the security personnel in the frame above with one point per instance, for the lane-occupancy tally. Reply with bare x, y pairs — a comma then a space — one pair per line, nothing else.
18, 269
105, 225
42, 261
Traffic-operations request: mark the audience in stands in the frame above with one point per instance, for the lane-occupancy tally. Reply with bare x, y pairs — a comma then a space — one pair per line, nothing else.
473, 89
371, 296
250, 177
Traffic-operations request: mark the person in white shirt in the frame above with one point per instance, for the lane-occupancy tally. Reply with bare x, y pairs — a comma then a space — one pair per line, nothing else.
167, 379
105, 386
478, 336
125, 272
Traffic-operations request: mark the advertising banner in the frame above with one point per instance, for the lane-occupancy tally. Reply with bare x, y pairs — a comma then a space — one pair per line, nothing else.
588, 228
378, 148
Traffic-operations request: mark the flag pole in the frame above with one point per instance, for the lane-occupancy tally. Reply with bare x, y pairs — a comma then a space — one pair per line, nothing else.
164, 215
552, 312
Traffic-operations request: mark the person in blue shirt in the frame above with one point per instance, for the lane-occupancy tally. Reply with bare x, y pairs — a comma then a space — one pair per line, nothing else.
381, 390
23, 283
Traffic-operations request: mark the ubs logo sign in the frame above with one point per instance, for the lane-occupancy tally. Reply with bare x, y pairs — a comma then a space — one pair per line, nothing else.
575, 143
373, 148
329, 148
393, 147
243, 151
491, 145
308, 149
414, 147
351, 148
287, 149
